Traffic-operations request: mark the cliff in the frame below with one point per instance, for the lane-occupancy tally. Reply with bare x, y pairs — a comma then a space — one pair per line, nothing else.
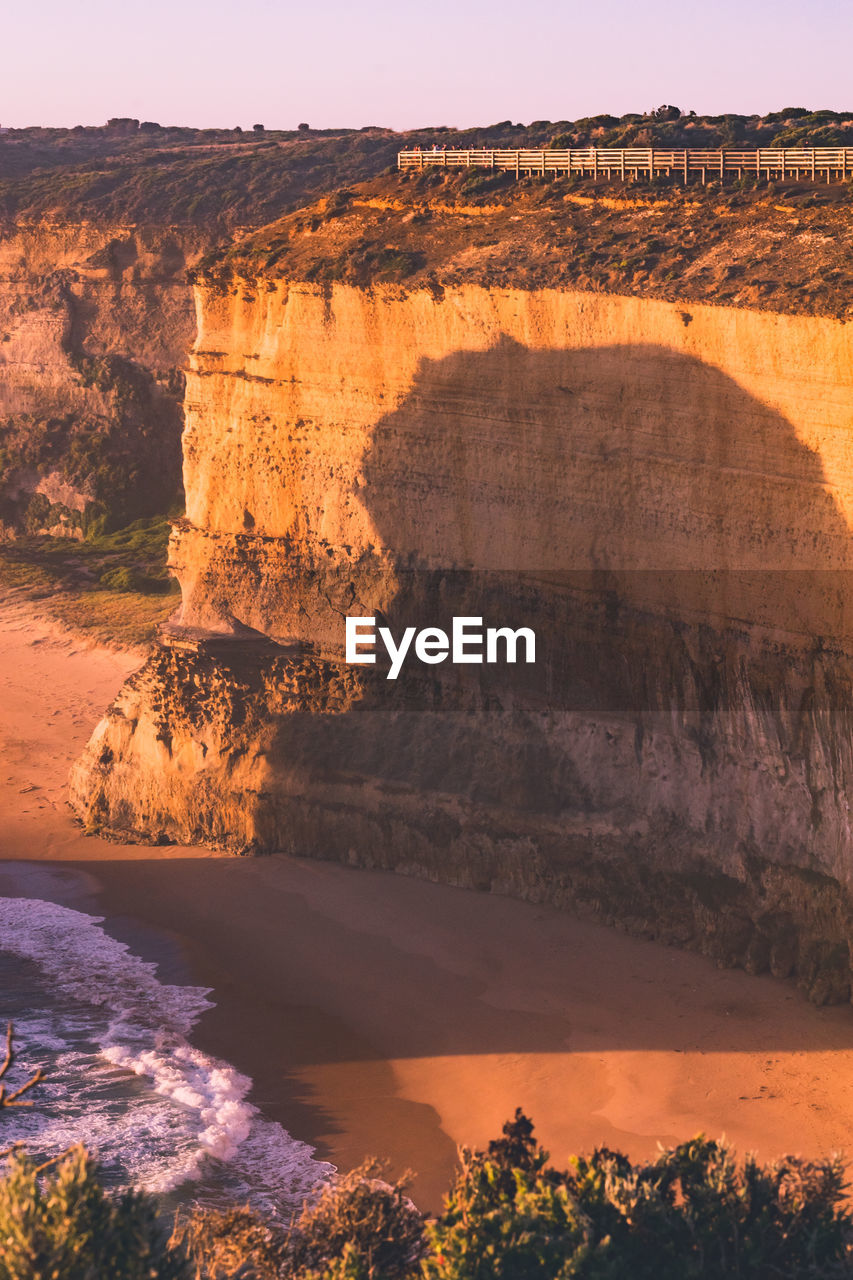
99, 226
95, 322
662, 491
97, 230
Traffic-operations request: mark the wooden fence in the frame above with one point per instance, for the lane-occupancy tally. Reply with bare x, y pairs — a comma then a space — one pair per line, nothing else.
815, 163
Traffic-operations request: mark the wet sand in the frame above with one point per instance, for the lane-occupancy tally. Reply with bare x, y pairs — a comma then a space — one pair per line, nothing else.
381, 1015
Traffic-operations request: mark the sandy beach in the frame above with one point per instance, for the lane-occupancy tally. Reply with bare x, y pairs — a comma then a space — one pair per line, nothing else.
381, 1015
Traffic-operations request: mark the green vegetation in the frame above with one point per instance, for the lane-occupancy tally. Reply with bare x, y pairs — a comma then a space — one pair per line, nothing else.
359, 1226
781, 247
365, 262
126, 459
58, 1223
139, 549
63, 1224
669, 127
694, 1213
210, 178
113, 587
124, 171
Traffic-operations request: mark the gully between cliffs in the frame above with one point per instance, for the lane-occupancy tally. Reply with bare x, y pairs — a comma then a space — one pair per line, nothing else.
665, 497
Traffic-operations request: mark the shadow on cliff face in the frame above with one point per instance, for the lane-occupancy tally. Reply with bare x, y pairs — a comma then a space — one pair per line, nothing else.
680, 756
637, 508
626, 502
608, 459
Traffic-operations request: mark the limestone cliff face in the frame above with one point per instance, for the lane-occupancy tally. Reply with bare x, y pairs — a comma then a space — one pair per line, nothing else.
95, 323
663, 492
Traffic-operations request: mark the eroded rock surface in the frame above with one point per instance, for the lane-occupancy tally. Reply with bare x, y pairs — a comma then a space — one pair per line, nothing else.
664, 496
95, 323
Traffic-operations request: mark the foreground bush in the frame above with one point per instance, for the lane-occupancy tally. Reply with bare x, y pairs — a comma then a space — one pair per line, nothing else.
63, 1226
357, 1227
232, 1244
694, 1213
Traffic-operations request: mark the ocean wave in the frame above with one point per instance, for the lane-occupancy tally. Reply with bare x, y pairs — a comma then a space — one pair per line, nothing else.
123, 1076
86, 963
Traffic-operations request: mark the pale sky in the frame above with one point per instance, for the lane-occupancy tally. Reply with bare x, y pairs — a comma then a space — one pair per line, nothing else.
468, 62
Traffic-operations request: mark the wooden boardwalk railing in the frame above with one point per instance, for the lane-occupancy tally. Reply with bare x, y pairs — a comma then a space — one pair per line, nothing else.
816, 163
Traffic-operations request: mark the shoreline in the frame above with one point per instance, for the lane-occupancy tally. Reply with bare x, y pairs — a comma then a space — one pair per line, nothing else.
379, 1015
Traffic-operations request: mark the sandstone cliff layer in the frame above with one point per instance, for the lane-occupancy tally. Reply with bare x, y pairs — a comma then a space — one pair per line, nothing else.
95, 323
664, 494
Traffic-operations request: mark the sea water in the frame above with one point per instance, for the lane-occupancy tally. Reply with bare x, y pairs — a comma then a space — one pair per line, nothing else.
122, 1075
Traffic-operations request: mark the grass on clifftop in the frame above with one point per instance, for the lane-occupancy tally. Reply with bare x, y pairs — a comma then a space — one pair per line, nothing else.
207, 178
113, 589
123, 172
780, 247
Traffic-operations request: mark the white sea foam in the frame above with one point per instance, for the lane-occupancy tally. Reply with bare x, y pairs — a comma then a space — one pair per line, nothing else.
86, 963
123, 1076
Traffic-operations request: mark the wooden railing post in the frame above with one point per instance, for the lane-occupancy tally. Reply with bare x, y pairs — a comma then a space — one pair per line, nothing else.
836, 162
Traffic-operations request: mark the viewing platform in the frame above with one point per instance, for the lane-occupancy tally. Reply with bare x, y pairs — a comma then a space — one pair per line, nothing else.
814, 163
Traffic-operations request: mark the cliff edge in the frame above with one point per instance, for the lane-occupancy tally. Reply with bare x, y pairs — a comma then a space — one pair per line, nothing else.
662, 489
